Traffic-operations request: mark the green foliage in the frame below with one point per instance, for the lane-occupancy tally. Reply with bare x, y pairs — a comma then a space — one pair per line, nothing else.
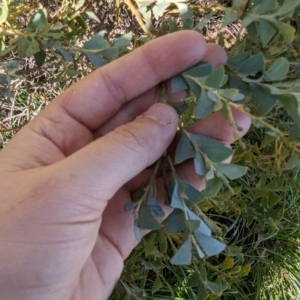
239, 237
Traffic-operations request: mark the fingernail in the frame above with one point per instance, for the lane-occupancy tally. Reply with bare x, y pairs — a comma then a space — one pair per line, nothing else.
161, 113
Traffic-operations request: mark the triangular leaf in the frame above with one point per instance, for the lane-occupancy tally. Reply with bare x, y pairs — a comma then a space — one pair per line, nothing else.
216, 288
184, 149
252, 65
193, 195
231, 171
178, 84
278, 71
96, 60
213, 186
146, 219
263, 100
183, 256
153, 204
200, 166
216, 78
123, 41
205, 106
175, 222
97, 42
38, 21
201, 70
208, 244
215, 150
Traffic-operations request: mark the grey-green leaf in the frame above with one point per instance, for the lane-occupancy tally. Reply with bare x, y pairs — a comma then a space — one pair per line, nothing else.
153, 204
92, 16
183, 256
266, 32
216, 288
229, 17
200, 166
294, 161
178, 84
38, 21
33, 48
146, 219
96, 60
123, 41
202, 291
97, 42
175, 222
278, 71
216, 78
262, 98
205, 106
215, 150
176, 201
231, 171
208, 244
23, 44
264, 7
213, 186
291, 104
202, 69
66, 55
193, 195
252, 65
287, 7
286, 31
184, 149
235, 61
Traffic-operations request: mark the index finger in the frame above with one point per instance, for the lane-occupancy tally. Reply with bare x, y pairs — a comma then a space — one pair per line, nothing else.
100, 95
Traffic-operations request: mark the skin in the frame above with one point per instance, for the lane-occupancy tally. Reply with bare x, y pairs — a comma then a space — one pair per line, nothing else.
65, 177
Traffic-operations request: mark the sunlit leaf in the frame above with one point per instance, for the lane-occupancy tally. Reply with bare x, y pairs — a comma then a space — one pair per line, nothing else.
4, 13
97, 42
92, 16
208, 244
228, 263
123, 41
38, 21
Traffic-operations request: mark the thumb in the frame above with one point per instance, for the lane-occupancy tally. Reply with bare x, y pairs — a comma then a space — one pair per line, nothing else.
105, 165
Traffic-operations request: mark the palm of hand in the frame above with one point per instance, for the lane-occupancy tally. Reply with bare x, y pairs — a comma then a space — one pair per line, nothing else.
62, 226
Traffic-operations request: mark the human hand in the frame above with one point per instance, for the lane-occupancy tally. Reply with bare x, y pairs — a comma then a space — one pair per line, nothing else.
66, 176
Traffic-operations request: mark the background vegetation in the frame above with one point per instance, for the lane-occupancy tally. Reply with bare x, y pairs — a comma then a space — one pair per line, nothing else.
45, 46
